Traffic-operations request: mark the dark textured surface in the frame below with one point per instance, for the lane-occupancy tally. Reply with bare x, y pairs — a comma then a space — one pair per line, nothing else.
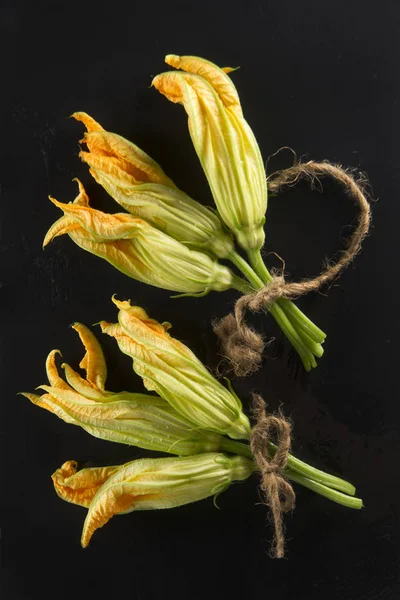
320, 77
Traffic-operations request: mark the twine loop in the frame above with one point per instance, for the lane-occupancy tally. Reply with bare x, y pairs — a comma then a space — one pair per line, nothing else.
242, 345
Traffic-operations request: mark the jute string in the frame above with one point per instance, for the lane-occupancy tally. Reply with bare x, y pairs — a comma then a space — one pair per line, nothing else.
277, 491
241, 344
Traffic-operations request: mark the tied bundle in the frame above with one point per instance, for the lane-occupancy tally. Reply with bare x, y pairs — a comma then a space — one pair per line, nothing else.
189, 414
167, 239
242, 345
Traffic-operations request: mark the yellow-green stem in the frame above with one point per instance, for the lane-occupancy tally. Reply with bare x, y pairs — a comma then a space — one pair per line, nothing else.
294, 466
305, 347
322, 490
309, 327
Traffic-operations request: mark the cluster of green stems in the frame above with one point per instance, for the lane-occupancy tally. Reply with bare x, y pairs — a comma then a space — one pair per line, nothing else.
334, 488
303, 334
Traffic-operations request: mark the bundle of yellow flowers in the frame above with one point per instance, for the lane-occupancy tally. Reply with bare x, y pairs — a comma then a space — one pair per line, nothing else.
168, 239
191, 415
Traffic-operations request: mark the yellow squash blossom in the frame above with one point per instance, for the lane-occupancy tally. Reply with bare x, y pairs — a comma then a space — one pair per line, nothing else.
148, 484
141, 420
160, 483
172, 370
141, 187
224, 142
139, 250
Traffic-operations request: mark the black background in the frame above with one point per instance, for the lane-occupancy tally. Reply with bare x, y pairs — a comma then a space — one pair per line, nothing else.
321, 77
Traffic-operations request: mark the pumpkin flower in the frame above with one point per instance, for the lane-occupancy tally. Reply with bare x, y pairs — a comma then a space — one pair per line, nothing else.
150, 484
141, 187
224, 142
172, 370
141, 420
139, 250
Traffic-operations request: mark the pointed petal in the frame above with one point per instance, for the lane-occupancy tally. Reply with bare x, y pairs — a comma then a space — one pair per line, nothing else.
60, 227
137, 352
83, 386
34, 398
114, 500
130, 158
119, 157
102, 225
112, 167
82, 198
52, 371
44, 401
66, 223
215, 76
89, 122
93, 362
148, 332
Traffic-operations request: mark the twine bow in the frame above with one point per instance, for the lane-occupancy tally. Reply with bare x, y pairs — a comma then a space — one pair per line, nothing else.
241, 344
278, 493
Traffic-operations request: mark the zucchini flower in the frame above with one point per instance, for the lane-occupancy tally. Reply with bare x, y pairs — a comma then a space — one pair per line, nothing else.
139, 250
147, 484
224, 142
141, 420
172, 370
141, 187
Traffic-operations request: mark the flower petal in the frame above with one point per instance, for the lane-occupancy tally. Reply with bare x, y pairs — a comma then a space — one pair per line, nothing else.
149, 333
116, 500
89, 122
49, 403
66, 223
60, 227
137, 352
80, 487
118, 152
103, 226
84, 387
215, 76
93, 362
52, 371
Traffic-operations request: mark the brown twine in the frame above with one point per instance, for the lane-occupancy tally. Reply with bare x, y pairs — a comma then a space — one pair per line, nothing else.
278, 493
242, 345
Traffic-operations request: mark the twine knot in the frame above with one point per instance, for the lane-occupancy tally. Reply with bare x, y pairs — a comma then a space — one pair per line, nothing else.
278, 493
242, 345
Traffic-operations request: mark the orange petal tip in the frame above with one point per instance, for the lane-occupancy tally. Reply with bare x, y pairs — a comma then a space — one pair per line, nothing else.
104, 325
173, 60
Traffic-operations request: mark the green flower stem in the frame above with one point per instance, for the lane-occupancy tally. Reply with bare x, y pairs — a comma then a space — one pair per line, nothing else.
312, 345
298, 466
234, 447
241, 285
301, 342
291, 309
244, 267
322, 490
295, 466
299, 317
